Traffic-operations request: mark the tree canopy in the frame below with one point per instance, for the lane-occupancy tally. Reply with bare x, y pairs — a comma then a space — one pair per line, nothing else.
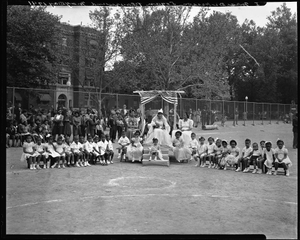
31, 46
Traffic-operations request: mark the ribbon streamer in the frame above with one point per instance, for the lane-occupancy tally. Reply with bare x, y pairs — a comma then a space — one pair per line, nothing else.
249, 54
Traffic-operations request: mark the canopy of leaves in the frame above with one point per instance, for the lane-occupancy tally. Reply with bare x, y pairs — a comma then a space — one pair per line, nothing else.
31, 46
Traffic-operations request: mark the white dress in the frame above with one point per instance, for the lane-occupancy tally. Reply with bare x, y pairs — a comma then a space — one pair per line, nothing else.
186, 134
29, 148
180, 151
161, 132
233, 157
281, 153
53, 153
156, 149
269, 157
135, 152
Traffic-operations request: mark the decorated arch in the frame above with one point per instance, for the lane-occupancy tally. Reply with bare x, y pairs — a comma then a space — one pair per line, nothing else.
168, 96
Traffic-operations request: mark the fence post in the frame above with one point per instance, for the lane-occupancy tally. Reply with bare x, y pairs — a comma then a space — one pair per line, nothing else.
253, 114
13, 105
233, 113
270, 113
210, 112
262, 115
117, 100
278, 113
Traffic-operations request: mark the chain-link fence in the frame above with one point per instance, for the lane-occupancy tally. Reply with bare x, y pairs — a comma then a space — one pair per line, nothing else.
215, 110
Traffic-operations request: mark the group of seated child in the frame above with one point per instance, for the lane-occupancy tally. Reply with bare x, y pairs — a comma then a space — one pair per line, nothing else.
221, 156
81, 153
62, 153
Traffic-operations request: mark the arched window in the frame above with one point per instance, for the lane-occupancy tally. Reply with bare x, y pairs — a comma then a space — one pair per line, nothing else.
62, 99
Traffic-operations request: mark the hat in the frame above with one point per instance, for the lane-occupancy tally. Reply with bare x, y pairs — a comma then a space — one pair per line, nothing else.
279, 140
154, 139
179, 133
268, 142
232, 142
211, 138
200, 138
224, 140
160, 111
218, 140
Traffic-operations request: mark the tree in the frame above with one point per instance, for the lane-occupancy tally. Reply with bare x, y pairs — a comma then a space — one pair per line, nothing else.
98, 52
31, 46
175, 53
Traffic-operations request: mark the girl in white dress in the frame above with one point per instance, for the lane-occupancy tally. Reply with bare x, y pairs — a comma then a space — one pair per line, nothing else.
135, 149
102, 146
186, 126
281, 158
159, 128
234, 153
155, 151
60, 149
181, 152
29, 153
269, 157
109, 150
211, 151
201, 152
50, 151
193, 146
96, 149
40, 150
68, 152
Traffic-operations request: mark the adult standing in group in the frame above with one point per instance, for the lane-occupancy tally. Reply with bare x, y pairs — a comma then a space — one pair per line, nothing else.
120, 123
295, 130
76, 124
171, 120
186, 126
132, 123
160, 129
198, 118
124, 113
236, 116
17, 112
112, 123
67, 123
58, 123
204, 115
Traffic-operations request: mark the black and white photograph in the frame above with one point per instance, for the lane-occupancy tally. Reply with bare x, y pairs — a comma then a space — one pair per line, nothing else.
146, 119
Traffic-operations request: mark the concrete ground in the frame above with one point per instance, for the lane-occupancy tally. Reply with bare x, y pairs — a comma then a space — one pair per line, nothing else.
127, 198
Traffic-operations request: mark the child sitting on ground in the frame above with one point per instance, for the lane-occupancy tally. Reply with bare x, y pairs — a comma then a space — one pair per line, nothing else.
201, 153
155, 152
123, 142
281, 158
193, 145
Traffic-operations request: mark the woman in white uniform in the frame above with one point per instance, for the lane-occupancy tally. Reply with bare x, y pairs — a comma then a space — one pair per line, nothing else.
186, 126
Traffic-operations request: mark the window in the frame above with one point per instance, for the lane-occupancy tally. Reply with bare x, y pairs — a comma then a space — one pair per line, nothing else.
86, 99
63, 78
64, 41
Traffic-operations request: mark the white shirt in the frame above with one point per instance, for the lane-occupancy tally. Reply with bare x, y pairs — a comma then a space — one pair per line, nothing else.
40, 148
76, 147
210, 148
269, 154
102, 146
202, 148
185, 124
124, 141
256, 153
218, 149
281, 152
88, 146
194, 144
59, 148
247, 151
110, 145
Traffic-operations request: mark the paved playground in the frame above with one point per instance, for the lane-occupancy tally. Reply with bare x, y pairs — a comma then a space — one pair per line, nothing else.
127, 198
